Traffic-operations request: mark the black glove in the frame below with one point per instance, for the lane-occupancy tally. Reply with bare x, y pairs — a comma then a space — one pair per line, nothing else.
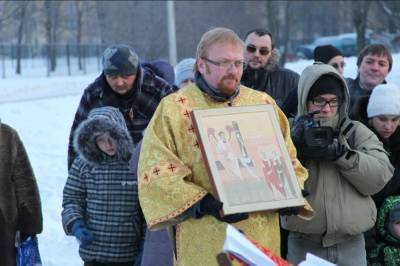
334, 151
305, 193
306, 152
210, 206
299, 125
329, 152
293, 210
289, 211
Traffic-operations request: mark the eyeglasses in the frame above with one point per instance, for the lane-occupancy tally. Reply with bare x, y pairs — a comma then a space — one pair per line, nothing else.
336, 65
226, 64
321, 102
262, 50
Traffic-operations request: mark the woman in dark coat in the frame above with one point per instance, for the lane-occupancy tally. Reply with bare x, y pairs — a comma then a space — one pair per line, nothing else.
381, 113
20, 207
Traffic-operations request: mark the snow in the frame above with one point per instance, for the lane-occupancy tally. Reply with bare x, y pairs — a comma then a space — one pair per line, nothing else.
41, 109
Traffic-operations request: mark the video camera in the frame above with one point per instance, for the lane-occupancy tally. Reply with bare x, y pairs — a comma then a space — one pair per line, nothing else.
315, 135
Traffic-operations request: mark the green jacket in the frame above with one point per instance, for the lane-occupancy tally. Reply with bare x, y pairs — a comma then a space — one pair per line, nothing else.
340, 190
388, 248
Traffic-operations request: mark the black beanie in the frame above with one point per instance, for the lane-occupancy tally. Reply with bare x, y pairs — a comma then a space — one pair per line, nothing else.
324, 85
325, 53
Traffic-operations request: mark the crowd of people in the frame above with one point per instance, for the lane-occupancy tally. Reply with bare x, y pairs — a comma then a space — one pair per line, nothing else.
138, 190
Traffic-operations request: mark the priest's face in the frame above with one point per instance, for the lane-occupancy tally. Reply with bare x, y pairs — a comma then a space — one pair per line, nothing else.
222, 68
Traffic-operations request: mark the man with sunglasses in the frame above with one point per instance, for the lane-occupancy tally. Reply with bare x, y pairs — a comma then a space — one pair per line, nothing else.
262, 70
174, 186
346, 163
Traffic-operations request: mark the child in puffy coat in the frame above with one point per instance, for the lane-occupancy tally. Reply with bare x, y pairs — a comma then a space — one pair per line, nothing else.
387, 251
100, 200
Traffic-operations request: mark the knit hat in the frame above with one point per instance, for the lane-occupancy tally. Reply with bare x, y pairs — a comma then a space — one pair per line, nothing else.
384, 100
184, 70
326, 84
325, 53
120, 60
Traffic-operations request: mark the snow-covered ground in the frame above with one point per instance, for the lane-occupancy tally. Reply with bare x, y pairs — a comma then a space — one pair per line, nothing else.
41, 109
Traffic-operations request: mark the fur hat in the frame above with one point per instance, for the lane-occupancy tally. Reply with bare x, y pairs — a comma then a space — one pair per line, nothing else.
102, 120
326, 84
120, 60
384, 100
184, 70
325, 53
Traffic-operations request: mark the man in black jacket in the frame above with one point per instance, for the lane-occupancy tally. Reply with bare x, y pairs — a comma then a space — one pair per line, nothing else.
126, 85
374, 64
263, 72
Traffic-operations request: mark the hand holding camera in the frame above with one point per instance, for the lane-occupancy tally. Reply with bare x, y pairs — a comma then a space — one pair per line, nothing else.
314, 142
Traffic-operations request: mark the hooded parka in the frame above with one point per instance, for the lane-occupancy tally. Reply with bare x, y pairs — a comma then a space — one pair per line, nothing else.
340, 190
102, 191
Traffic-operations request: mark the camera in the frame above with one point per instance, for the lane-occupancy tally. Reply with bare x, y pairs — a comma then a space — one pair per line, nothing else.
318, 136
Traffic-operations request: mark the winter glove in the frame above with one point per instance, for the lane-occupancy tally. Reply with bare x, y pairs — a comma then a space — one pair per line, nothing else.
80, 231
293, 210
334, 151
210, 206
289, 211
300, 124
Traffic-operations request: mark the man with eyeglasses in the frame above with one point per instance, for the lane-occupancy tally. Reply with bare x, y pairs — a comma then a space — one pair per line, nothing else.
262, 70
125, 84
174, 187
326, 54
346, 163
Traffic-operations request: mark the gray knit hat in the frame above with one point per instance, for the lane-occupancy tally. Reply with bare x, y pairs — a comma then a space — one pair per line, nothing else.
120, 60
184, 70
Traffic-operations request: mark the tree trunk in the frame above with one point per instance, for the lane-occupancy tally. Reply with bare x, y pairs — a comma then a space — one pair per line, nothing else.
360, 12
285, 39
21, 19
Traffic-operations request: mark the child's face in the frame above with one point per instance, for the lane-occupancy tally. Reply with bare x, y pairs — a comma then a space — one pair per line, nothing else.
107, 144
395, 230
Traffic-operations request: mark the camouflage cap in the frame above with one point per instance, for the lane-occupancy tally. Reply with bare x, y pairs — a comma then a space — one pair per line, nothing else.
120, 60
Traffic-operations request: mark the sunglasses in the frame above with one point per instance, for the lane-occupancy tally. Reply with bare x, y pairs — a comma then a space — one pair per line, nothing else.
262, 50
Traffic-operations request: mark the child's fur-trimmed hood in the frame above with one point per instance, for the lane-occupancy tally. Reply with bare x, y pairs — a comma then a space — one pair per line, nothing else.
102, 120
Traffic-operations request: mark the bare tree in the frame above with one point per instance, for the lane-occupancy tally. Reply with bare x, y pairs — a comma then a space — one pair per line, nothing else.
101, 11
360, 12
272, 9
51, 25
21, 20
285, 37
392, 11
79, 7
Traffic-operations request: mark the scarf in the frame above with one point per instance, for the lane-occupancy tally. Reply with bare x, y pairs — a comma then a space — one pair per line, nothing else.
214, 93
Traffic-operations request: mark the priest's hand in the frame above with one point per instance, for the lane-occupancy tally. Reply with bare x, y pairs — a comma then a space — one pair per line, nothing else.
210, 206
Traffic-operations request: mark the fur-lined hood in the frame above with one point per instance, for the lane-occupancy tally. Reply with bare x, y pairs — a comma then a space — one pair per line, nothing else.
101, 120
273, 61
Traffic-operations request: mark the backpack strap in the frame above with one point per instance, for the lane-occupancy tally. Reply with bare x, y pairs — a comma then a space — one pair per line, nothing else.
349, 134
